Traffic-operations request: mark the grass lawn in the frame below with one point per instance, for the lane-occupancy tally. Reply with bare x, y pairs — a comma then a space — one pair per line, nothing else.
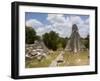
71, 59
32, 63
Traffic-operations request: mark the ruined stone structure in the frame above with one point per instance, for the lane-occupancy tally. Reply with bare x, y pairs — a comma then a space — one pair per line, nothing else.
36, 50
74, 44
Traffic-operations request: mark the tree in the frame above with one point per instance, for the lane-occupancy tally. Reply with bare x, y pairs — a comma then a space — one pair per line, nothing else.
87, 42
62, 42
51, 40
30, 35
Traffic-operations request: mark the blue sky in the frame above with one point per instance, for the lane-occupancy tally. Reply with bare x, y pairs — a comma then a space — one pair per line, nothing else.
60, 23
38, 16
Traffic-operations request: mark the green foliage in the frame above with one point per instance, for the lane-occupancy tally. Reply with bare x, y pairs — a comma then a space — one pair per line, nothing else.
86, 41
30, 35
62, 42
53, 41
38, 38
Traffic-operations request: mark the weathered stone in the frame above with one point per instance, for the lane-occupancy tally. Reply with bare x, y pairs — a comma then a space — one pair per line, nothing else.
74, 44
37, 50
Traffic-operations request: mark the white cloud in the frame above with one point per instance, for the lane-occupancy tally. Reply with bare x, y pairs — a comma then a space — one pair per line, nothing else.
42, 30
63, 25
56, 18
87, 21
76, 20
60, 24
83, 30
62, 29
38, 26
33, 23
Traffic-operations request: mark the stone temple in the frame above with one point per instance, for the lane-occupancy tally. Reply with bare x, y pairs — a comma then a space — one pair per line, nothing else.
38, 49
74, 43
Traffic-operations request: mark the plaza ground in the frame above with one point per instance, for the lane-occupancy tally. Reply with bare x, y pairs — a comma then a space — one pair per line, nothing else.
69, 59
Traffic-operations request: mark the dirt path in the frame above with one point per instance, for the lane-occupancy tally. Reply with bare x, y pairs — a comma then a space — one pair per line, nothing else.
54, 62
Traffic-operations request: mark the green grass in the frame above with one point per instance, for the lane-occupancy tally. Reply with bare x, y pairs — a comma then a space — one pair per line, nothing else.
71, 59
32, 63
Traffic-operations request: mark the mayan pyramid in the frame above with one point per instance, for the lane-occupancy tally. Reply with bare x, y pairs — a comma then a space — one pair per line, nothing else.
74, 43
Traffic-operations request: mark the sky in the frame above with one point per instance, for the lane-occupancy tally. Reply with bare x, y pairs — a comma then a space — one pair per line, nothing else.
60, 23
